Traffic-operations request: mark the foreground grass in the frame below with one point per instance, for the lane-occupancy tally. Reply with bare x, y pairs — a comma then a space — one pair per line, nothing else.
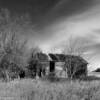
29, 89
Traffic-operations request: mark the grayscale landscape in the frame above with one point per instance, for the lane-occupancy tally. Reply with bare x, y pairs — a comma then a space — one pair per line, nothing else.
49, 49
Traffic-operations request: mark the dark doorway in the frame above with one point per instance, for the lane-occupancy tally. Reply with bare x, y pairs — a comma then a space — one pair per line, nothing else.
22, 74
52, 66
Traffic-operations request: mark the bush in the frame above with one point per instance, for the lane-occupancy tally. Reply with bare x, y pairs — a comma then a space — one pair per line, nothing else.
52, 77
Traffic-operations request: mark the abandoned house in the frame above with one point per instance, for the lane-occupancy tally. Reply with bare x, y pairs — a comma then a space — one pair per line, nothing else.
78, 66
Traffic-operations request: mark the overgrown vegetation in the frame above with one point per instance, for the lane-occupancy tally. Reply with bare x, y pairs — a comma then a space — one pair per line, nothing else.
33, 64
12, 48
75, 49
28, 89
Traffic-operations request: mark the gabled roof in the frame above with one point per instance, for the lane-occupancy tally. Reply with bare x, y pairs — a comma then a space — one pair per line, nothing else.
41, 57
59, 58
53, 57
62, 58
76, 59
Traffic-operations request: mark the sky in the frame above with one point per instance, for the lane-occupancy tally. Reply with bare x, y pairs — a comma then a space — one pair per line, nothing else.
55, 21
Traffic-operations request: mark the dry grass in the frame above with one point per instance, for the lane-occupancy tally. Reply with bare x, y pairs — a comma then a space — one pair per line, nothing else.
29, 89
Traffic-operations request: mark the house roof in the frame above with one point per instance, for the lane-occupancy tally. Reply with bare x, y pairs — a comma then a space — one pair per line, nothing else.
49, 57
41, 57
76, 59
62, 58
59, 58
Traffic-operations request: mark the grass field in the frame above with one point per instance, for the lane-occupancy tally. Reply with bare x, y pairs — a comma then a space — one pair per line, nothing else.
28, 89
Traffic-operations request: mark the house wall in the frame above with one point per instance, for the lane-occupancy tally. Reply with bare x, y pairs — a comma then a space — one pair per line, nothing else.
58, 68
82, 72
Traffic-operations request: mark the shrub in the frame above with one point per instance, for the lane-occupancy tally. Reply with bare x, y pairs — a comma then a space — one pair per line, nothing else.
51, 77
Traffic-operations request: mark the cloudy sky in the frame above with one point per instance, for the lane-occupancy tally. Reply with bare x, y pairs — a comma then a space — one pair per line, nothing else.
56, 20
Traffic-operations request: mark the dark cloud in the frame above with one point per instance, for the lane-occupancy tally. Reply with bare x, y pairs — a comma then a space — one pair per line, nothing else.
47, 11
37, 8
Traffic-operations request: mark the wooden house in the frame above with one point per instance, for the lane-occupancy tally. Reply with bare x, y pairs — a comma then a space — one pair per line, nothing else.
78, 64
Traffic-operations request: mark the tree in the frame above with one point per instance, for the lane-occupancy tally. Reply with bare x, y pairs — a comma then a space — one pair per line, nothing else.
11, 53
76, 47
12, 46
33, 63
